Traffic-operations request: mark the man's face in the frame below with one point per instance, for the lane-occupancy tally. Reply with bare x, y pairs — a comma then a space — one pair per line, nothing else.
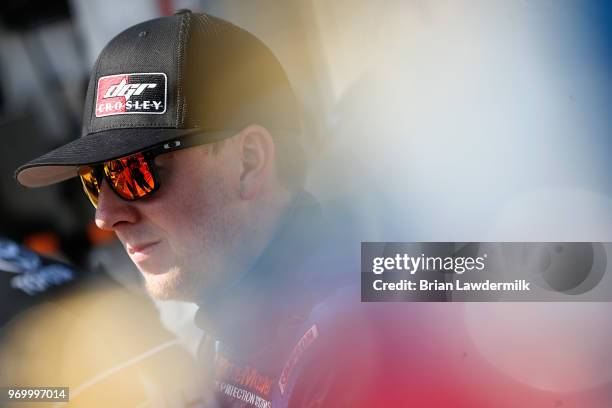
183, 239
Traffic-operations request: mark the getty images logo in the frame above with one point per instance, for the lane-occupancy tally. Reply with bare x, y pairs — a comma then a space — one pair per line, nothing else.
141, 93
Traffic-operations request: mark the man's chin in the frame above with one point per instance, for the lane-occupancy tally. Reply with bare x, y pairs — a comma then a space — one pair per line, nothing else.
170, 285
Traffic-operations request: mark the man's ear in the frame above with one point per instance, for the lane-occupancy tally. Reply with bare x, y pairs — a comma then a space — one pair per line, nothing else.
257, 157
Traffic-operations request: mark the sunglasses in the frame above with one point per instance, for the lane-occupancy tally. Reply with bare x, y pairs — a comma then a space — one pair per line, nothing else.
134, 177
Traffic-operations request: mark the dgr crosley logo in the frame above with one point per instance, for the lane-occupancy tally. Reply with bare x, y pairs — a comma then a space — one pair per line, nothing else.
122, 94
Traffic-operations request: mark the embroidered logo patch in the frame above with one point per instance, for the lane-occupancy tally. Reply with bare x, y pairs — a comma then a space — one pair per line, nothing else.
122, 94
307, 339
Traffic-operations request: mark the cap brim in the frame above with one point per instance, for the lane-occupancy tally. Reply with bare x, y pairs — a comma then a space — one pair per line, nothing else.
62, 163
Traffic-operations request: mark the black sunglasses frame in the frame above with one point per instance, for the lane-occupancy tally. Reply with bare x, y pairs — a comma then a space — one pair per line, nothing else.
149, 155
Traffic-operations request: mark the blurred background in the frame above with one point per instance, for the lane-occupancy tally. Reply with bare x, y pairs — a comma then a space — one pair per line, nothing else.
424, 120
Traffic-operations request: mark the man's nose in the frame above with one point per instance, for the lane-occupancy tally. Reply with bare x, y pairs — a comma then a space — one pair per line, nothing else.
112, 211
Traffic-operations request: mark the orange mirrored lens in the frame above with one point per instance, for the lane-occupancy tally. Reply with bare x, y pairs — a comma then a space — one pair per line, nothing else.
91, 184
131, 177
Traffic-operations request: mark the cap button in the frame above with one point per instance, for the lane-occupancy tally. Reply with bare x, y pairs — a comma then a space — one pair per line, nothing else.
182, 11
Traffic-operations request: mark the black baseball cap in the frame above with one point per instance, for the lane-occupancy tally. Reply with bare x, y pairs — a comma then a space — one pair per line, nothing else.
167, 78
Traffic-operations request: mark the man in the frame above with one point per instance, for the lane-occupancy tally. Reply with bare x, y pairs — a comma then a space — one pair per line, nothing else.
217, 216
197, 216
